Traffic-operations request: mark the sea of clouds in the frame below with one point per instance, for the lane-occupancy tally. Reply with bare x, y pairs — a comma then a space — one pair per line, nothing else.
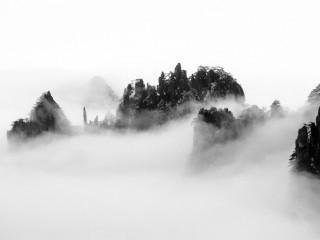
145, 186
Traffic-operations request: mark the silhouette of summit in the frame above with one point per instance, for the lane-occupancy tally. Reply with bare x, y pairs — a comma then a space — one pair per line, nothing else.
45, 116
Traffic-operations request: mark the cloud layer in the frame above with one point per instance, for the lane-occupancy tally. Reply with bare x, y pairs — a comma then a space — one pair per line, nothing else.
144, 186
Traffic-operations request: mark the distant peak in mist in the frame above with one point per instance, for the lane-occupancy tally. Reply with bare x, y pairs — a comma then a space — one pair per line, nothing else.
100, 95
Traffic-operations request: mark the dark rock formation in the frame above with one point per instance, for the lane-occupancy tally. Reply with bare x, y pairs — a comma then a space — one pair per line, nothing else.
218, 126
46, 116
139, 101
213, 126
306, 156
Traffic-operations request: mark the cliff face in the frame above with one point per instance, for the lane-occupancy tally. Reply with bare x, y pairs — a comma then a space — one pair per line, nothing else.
306, 156
46, 116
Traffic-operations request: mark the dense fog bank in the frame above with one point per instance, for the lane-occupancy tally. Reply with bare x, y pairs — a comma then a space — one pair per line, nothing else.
144, 185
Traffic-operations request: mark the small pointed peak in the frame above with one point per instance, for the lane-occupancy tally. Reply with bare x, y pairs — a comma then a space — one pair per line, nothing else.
47, 95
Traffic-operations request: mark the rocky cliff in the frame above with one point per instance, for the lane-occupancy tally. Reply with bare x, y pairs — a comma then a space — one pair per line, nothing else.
306, 155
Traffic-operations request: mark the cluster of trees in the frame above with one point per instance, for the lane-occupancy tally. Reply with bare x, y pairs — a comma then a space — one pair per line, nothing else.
46, 116
175, 89
216, 126
306, 155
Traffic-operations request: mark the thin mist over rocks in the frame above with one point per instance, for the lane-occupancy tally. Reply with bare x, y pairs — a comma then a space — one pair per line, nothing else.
146, 182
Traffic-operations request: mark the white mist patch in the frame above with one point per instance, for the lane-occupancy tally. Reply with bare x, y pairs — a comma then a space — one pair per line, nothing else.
141, 186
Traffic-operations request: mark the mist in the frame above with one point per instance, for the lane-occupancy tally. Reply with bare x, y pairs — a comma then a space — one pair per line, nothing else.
144, 185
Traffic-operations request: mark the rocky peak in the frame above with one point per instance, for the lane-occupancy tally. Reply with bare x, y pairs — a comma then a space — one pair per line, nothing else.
306, 155
46, 115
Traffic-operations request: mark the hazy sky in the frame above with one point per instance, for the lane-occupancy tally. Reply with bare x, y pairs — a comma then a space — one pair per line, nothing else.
271, 47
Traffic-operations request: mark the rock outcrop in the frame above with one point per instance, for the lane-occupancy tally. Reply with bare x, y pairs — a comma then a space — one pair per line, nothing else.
143, 105
306, 156
46, 116
218, 126
213, 126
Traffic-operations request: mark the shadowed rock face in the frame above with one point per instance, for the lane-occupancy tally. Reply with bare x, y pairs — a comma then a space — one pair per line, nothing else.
46, 116
306, 156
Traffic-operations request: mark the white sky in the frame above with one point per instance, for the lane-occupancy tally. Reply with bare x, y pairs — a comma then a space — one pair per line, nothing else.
271, 47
